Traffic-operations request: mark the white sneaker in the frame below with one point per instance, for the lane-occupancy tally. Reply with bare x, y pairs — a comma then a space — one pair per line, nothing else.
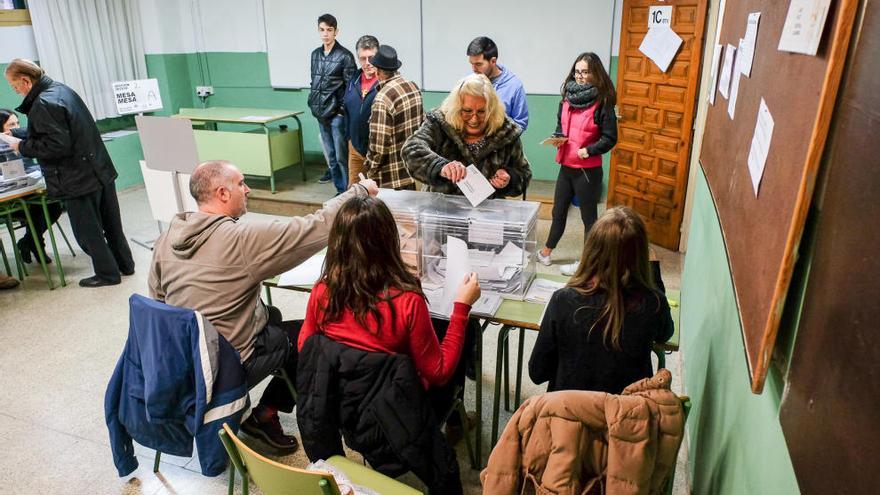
568, 269
542, 259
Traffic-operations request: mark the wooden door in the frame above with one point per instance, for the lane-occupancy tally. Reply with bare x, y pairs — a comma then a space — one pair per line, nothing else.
649, 165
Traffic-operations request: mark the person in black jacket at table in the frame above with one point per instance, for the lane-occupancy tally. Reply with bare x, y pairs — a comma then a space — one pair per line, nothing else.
62, 135
598, 330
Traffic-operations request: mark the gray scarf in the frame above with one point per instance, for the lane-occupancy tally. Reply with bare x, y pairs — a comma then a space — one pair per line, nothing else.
580, 95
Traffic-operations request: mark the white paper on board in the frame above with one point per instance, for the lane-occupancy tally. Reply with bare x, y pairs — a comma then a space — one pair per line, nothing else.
803, 26
734, 83
660, 45
748, 50
713, 84
760, 145
726, 69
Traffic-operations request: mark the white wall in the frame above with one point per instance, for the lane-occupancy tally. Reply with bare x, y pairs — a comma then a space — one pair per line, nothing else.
190, 26
17, 42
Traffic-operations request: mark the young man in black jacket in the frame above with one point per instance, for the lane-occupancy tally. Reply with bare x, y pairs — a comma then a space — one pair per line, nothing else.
61, 134
332, 67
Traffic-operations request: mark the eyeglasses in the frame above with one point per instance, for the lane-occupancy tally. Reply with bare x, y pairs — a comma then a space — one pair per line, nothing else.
582, 72
467, 113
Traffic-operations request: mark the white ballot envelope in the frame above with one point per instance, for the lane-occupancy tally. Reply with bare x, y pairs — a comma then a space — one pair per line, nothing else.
475, 187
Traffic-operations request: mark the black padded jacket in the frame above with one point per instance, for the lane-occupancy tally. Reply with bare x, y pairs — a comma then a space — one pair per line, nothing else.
377, 402
330, 74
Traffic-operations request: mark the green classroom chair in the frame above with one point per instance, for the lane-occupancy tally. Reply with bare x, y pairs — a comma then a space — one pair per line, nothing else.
275, 478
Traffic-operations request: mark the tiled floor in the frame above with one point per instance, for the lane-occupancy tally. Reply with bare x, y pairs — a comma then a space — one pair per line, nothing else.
58, 349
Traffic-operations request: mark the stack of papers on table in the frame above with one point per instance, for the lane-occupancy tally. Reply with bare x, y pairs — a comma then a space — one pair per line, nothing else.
541, 290
486, 305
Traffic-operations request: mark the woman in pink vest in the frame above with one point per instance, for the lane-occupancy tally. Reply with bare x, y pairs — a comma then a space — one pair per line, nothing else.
586, 118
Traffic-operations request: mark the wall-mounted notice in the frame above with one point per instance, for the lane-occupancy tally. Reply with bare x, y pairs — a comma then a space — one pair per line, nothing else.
803, 26
726, 69
760, 145
137, 96
735, 77
751, 38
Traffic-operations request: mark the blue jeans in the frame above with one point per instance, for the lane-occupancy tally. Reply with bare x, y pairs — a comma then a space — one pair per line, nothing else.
335, 151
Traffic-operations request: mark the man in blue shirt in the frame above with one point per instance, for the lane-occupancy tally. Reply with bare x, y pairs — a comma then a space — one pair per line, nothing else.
483, 57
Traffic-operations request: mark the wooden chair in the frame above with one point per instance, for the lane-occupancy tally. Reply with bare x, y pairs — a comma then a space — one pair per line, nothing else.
275, 478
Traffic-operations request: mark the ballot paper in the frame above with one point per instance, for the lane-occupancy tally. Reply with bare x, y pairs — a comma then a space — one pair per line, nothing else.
760, 145
748, 47
475, 187
713, 84
458, 264
305, 274
734, 83
803, 26
6, 138
726, 70
542, 289
660, 45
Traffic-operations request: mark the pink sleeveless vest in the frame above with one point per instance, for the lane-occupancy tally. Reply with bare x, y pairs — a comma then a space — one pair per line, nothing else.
581, 129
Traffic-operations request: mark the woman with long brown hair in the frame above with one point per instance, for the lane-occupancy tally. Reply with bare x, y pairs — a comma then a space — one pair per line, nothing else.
597, 331
368, 299
587, 120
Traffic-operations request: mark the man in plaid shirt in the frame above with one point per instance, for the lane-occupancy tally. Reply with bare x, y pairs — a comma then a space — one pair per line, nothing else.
396, 114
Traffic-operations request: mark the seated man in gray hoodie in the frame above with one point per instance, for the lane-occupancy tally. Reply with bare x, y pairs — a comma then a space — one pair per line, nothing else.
213, 263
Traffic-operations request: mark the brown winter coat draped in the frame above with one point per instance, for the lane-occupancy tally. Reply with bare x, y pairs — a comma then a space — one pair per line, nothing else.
576, 442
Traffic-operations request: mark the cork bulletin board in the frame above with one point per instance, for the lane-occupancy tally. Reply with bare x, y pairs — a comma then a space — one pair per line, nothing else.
761, 232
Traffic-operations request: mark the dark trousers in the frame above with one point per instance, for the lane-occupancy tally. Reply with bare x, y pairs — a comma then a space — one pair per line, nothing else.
40, 226
97, 227
274, 348
441, 397
586, 184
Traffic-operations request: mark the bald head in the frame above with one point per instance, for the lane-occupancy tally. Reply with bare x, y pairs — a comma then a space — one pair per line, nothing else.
218, 187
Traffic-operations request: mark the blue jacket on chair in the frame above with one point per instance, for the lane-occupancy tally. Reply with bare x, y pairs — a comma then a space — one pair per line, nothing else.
177, 379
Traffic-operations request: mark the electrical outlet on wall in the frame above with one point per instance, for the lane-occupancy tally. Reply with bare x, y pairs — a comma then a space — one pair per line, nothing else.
203, 91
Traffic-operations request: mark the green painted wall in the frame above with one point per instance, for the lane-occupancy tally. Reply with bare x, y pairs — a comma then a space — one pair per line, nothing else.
736, 441
242, 79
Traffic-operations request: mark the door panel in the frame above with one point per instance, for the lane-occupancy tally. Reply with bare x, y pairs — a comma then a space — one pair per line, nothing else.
650, 162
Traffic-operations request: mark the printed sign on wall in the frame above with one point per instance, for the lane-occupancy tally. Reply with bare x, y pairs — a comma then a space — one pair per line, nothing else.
137, 96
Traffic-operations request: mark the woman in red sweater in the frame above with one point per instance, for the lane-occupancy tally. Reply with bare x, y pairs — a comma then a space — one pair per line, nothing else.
586, 118
368, 299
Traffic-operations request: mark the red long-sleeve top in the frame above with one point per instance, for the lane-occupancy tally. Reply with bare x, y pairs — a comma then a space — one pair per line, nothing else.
411, 333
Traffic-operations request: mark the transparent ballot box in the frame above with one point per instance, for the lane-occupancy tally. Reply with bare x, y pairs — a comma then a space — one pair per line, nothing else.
500, 236
406, 206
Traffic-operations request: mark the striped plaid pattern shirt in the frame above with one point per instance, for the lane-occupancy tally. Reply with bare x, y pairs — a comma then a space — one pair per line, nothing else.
396, 114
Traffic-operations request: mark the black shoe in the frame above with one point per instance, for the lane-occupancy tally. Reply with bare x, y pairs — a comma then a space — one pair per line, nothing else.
29, 252
96, 281
270, 431
326, 177
127, 272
